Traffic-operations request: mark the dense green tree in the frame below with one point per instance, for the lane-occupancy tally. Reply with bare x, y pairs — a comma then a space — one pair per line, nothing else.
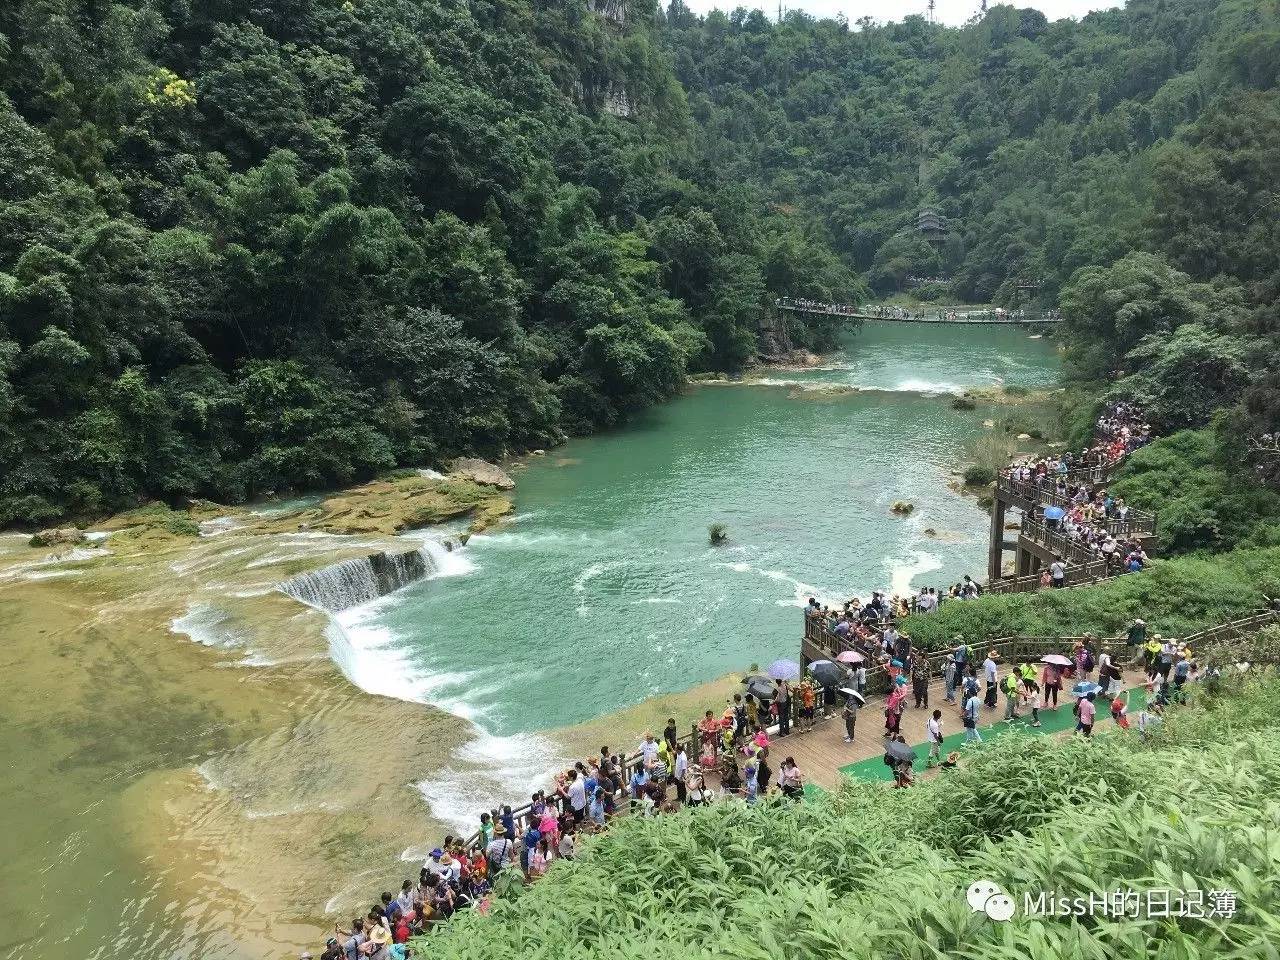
254, 245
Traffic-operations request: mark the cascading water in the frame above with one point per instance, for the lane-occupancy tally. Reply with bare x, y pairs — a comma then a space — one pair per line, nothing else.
359, 580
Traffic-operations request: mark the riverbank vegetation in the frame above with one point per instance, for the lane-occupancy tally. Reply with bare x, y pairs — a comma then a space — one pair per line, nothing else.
1175, 597
1027, 813
250, 248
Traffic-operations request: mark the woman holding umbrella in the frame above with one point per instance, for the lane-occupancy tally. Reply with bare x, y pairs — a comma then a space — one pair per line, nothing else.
899, 757
852, 701
1051, 676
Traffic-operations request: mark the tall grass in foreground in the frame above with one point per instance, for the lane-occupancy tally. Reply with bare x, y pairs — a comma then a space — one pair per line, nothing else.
873, 872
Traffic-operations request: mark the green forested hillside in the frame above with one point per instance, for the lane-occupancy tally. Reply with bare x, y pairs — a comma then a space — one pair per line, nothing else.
252, 246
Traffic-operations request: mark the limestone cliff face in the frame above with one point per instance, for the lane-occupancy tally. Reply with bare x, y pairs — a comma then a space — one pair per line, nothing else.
617, 101
615, 11
598, 89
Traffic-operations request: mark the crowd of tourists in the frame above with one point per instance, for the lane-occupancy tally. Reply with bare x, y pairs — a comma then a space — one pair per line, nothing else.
817, 306
1030, 686
733, 748
734, 762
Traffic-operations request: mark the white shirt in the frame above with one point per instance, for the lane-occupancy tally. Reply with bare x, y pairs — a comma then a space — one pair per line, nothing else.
935, 730
578, 794
682, 766
649, 750
989, 669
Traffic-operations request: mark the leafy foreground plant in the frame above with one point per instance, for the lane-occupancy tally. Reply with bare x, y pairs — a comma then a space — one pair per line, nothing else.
872, 872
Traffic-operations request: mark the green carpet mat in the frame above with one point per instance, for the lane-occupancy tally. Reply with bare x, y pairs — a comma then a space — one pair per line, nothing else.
1051, 722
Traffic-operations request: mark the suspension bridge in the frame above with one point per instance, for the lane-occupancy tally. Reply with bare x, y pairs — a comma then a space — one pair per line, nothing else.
900, 315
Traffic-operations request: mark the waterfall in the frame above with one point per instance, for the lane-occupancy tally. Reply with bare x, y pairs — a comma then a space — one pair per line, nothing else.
358, 580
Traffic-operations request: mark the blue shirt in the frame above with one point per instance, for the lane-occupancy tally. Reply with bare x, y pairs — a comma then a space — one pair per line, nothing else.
638, 780
597, 811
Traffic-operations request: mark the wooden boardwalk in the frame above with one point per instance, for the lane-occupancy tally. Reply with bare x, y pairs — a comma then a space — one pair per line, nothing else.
822, 752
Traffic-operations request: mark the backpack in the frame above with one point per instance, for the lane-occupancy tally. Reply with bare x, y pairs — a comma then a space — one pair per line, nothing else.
1088, 660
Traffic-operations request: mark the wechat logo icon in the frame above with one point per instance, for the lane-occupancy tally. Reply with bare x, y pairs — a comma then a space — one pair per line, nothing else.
987, 897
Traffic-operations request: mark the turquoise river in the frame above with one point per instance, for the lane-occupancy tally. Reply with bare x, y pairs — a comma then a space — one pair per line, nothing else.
202, 767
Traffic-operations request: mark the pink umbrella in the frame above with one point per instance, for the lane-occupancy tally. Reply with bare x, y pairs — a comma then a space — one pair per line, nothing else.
850, 656
1057, 659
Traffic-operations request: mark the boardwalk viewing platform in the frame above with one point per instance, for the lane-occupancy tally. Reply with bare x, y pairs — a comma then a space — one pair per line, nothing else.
1040, 542
897, 315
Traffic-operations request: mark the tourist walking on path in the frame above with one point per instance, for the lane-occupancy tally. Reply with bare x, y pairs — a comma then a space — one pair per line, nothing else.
920, 679
950, 671
501, 852
782, 700
971, 733
893, 709
709, 735
1058, 573
850, 715
1134, 640
1051, 678
1034, 700
792, 781
698, 794
670, 735
1085, 712
577, 796
764, 772
991, 674
935, 736
681, 773
1151, 650
1082, 657
808, 699
1120, 711
1011, 686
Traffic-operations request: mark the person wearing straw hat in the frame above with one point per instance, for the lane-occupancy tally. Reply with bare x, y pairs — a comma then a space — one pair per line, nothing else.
501, 851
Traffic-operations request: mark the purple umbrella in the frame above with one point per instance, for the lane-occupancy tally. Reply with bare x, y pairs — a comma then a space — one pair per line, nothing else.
784, 670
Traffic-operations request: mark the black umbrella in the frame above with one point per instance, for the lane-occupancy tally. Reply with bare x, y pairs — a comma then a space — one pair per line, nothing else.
761, 689
899, 751
827, 674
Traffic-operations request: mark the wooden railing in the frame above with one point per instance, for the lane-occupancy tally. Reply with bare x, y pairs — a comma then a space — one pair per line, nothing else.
1136, 522
1077, 575
1056, 542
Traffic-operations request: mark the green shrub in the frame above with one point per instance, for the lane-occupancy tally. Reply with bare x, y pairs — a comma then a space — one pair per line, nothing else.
979, 476
1201, 504
1174, 596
